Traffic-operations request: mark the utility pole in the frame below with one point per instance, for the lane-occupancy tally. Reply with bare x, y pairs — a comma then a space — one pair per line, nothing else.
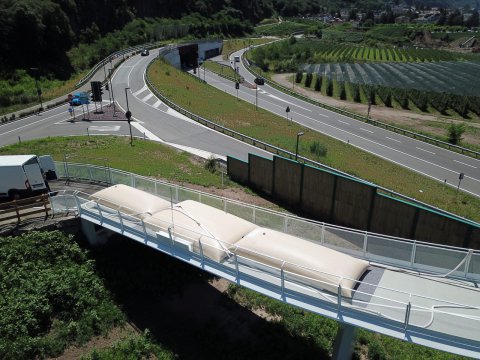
111, 89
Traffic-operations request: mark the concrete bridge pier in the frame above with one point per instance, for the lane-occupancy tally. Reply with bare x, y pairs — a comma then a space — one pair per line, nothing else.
95, 234
344, 342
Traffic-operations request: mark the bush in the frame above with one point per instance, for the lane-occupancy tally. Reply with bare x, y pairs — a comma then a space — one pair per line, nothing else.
211, 164
308, 80
419, 98
318, 149
385, 95
342, 94
438, 101
455, 132
459, 103
356, 93
402, 97
298, 77
318, 82
329, 87
51, 296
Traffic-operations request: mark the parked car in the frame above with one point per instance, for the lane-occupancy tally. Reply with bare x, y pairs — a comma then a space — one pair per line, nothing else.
259, 81
145, 52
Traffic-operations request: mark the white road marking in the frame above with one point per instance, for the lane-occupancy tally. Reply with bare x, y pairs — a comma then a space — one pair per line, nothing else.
147, 97
389, 138
157, 104
343, 122
387, 147
430, 152
287, 102
30, 124
104, 128
371, 132
147, 133
136, 93
323, 115
465, 164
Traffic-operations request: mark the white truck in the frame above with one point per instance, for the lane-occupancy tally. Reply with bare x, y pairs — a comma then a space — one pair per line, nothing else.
23, 176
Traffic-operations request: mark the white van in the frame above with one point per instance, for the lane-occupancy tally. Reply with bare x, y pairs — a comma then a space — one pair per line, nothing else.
237, 58
21, 176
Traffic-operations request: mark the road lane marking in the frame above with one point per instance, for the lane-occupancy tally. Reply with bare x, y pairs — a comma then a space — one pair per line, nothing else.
386, 147
157, 104
323, 115
147, 97
465, 164
430, 152
389, 138
371, 132
288, 102
104, 128
343, 122
136, 93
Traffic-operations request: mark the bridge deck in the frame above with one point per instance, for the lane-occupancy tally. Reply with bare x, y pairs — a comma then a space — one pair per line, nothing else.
438, 312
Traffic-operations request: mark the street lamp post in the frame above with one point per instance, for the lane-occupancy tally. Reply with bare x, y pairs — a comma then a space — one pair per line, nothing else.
296, 149
39, 91
126, 97
111, 89
128, 115
256, 97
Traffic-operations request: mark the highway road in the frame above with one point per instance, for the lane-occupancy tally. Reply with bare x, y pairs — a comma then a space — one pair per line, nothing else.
154, 120
429, 160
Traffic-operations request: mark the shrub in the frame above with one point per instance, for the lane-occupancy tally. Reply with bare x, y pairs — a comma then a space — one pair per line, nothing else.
385, 95
438, 101
308, 80
329, 87
356, 92
402, 97
419, 98
211, 164
298, 77
455, 132
342, 94
318, 82
318, 149
459, 103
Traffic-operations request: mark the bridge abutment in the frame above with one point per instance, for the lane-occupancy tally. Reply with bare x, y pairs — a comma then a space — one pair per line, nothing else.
95, 237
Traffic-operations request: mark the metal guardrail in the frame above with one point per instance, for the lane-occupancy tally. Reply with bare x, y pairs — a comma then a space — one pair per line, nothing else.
404, 253
111, 57
367, 120
282, 152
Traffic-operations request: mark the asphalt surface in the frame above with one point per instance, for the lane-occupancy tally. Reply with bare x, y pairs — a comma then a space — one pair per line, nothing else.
155, 121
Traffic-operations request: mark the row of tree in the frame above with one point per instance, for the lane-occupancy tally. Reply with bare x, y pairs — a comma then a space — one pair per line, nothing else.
404, 97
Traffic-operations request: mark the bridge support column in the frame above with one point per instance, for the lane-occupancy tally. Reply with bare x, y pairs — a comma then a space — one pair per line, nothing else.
344, 342
95, 237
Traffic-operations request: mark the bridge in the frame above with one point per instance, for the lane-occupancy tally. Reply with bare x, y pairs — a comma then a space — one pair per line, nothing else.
418, 292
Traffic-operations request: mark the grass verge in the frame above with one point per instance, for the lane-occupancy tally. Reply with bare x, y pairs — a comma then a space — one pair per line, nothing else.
230, 46
241, 116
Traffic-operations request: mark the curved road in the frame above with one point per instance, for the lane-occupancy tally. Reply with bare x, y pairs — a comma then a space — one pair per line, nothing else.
158, 122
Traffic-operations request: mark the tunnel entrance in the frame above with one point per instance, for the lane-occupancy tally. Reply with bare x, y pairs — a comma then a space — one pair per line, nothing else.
188, 56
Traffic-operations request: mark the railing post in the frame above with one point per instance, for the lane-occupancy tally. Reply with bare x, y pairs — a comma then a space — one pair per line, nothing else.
365, 242
253, 216
407, 315
339, 298
201, 252
322, 241
121, 220
176, 194
285, 224
100, 213
414, 251
467, 264
133, 180
90, 173
237, 269
144, 230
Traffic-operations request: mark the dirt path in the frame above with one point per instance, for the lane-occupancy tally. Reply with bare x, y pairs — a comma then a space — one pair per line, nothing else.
425, 123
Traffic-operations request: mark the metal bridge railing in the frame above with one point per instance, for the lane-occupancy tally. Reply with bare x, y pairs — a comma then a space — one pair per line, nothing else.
409, 254
403, 308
